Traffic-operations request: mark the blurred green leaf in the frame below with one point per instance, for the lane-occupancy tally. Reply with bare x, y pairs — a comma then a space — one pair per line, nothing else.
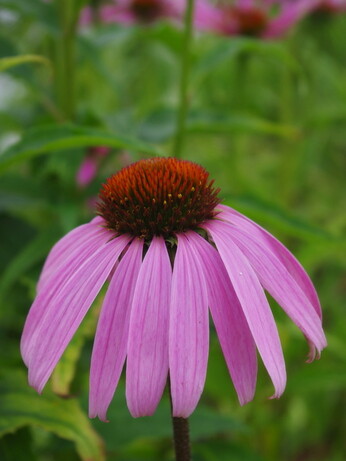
242, 124
160, 125
224, 450
52, 138
21, 406
64, 372
17, 446
30, 255
12, 61
43, 13
227, 49
317, 377
260, 211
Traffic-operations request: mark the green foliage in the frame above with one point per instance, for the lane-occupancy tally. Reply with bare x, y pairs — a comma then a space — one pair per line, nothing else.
46, 140
22, 406
266, 118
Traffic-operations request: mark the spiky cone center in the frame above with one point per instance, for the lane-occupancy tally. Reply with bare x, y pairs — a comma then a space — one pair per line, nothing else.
147, 10
251, 21
158, 197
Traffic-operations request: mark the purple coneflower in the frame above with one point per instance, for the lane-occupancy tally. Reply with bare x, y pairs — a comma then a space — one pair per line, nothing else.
169, 251
331, 6
134, 11
130, 12
260, 18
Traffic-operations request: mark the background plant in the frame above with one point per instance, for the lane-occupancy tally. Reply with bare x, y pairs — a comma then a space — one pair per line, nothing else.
267, 119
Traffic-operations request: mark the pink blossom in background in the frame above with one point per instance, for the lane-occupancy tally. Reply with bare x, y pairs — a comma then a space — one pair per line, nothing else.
260, 18
88, 169
331, 6
131, 12
171, 252
134, 11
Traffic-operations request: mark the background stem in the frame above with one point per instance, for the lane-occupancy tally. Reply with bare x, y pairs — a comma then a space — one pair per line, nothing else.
66, 57
184, 77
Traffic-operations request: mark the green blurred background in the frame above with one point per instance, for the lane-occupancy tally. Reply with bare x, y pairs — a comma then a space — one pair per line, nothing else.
267, 119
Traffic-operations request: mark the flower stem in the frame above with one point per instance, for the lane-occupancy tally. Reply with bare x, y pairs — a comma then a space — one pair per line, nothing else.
181, 434
66, 62
181, 439
184, 78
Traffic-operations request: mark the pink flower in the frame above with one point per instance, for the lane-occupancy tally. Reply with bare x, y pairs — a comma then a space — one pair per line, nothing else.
331, 6
88, 169
147, 11
170, 251
135, 11
261, 18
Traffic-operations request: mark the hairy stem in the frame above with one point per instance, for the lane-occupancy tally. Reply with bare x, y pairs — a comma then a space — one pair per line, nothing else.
181, 439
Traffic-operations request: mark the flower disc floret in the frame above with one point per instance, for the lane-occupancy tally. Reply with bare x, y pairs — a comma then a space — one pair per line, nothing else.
146, 10
158, 197
250, 21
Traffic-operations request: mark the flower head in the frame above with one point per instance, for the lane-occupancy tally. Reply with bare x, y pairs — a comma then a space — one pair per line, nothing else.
331, 6
134, 11
260, 18
170, 251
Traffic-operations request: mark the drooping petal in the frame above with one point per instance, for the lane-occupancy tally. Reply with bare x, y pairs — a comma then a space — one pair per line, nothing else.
67, 309
188, 330
254, 304
276, 279
281, 252
147, 355
110, 345
83, 250
65, 246
233, 331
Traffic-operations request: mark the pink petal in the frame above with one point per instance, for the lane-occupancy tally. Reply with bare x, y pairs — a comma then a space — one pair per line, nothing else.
82, 251
87, 171
147, 355
254, 304
66, 310
281, 252
110, 345
277, 280
188, 330
234, 334
290, 14
65, 246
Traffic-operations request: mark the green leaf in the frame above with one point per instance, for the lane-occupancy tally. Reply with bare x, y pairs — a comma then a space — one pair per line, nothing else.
21, 406
17, 446
30, 255
160, 125
227, 50
64, 372
12, 61
260, 211
242, 124
54, 138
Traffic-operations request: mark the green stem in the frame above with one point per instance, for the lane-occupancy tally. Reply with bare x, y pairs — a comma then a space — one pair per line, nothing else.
66, 57
239, 106
288, 159
184, 78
